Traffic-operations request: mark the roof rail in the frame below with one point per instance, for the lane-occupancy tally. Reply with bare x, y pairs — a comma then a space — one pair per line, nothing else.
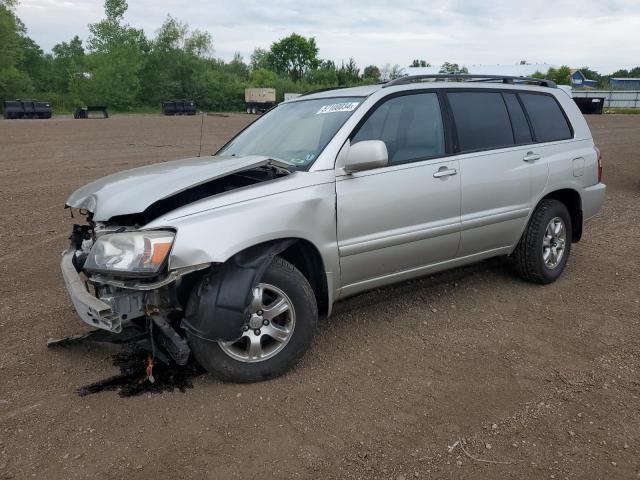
470, 78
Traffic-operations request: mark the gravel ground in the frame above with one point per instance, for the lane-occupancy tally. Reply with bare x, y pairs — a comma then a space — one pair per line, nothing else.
468, 374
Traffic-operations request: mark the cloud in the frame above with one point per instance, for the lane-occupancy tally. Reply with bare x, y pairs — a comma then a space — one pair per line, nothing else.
603, 34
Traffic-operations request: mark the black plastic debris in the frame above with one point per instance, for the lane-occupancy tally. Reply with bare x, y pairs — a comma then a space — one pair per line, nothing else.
134, 377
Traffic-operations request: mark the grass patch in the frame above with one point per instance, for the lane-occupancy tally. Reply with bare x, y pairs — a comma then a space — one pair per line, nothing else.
627, 111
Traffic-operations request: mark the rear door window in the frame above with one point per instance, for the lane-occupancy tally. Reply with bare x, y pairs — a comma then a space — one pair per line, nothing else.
410, 126
521, 131
481, 119
548, 120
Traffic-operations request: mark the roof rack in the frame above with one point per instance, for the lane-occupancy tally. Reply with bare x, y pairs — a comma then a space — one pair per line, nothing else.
470, 78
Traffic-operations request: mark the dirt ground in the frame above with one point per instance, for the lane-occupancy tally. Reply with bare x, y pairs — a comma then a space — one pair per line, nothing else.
531, 381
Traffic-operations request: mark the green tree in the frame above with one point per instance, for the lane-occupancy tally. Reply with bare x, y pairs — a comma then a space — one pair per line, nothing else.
453, 68
561, 76
118, 54
34, 63
14, 81
420, 63
222, 91
371, 73
176, 64
396, 72
590, 74
69, 65
238, 67
262, 77
294, 56
10, 52
348, 74
123, 69
325, 75
623, 73
260, 58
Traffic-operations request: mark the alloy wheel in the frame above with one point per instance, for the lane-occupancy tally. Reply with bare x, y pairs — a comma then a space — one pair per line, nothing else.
553, 242
268, 329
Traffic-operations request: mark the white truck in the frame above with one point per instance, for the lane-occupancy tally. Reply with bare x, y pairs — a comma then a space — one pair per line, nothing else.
259, 100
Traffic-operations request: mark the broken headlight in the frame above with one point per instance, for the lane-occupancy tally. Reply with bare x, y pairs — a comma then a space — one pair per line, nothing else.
130, 253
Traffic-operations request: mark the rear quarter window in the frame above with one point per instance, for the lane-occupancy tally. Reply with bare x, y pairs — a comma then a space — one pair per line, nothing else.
547, 118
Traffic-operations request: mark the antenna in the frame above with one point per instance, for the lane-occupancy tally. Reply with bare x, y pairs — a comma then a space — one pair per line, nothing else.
201, 126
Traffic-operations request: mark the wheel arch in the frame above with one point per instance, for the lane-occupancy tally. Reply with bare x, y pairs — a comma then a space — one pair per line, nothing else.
224, 291
572, 200
303, 255
306, 257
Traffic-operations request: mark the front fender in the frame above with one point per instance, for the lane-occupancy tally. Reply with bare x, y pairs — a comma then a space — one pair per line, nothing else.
217, 307
229, 234
217, 234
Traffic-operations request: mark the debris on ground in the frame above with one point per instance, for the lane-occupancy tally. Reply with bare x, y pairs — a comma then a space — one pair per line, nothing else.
138, 375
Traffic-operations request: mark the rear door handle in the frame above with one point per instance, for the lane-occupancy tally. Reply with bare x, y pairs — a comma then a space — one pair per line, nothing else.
446, 172
531, 157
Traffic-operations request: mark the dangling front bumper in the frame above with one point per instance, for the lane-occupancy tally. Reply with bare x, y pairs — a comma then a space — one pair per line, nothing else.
91, 309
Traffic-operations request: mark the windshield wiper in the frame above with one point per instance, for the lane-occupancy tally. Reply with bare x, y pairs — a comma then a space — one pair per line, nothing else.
280, 164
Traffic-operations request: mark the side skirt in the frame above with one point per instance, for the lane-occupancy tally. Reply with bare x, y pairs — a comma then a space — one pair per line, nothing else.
355, 288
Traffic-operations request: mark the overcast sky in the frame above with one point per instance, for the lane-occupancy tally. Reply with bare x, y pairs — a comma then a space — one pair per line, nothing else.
603, 34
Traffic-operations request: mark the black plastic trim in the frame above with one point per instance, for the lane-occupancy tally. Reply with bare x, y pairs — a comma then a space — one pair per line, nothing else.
217, 309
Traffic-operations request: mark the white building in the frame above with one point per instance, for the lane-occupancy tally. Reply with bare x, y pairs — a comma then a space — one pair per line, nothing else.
517, 70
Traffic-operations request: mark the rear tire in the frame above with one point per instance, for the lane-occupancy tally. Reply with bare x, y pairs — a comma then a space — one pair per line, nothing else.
543, 250
292, 329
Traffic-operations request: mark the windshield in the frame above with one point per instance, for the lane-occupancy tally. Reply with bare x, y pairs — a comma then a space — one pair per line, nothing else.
296, 132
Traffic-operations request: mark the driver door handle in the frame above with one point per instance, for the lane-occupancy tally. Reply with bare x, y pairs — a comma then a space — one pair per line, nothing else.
531, 157
445, 173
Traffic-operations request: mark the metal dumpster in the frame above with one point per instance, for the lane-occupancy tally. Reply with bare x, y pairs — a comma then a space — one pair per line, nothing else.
16, 109
179, 107
86, 112
590, 105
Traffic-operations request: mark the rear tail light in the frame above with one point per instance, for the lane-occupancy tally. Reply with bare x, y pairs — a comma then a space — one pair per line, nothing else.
599, 155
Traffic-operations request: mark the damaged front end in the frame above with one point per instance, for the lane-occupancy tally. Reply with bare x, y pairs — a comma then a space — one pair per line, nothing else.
164, 258
119, 276
119, 283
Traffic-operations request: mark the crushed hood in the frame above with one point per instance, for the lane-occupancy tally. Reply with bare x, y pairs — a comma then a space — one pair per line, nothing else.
132, 191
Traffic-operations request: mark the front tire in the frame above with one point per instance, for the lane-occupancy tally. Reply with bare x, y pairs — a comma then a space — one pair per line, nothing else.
543, 250
283, 320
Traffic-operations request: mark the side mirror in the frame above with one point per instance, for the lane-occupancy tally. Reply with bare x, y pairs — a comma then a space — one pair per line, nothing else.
366, 155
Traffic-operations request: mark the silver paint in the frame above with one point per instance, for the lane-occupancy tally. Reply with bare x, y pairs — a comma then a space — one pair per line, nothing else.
372, 227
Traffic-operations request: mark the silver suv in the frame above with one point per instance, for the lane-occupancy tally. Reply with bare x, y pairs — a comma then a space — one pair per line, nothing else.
233, 257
